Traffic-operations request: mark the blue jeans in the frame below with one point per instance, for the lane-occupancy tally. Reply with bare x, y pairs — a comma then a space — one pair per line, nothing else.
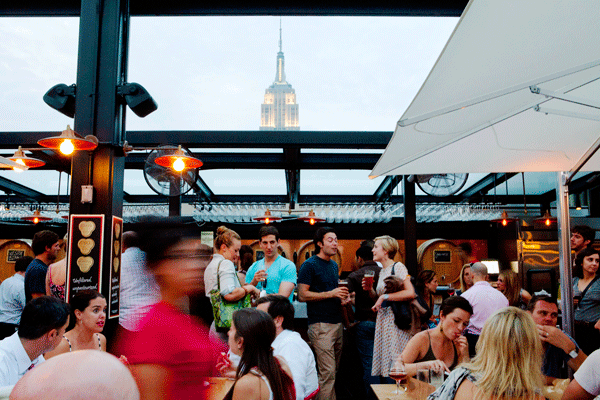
365, 336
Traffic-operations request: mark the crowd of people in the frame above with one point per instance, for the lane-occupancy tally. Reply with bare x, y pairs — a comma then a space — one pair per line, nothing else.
493, 342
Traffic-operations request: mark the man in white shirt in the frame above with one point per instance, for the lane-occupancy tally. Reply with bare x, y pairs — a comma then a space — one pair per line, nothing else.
138, 289
586, 381
290, 345
43, 324
12, 298
485, 301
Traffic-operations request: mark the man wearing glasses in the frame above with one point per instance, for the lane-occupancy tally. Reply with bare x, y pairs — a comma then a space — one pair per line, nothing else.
318, 287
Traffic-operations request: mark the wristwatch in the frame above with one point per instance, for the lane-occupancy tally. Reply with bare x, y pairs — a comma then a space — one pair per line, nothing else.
575, 352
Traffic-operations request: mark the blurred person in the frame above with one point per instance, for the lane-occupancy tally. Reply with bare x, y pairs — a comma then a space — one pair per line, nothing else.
85, 374
274, 273
287, 344
88, 316
246, 260
466, 280
389, 339
138, 289
586, 292
582, 236
507, 365
426, 285
467, 251
260, 375
12, 298
45, 246
171, 352
318, 287
586, 381
484, 299
200, 306
443, 347
365, 317
56, 276
559, 348
43, 323
508, 283
227, 247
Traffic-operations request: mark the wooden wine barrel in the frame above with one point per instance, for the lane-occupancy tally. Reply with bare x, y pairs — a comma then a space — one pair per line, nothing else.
10, 251
307, 250
284, 249
443, 257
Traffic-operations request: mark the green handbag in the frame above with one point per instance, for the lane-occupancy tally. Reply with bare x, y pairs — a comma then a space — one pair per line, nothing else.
223, 309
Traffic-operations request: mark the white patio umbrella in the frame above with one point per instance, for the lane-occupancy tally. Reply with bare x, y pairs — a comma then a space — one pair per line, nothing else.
517, 88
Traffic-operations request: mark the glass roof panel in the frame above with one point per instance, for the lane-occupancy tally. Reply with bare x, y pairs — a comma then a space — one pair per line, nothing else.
43, 181
337, 182
245, 181
134, 182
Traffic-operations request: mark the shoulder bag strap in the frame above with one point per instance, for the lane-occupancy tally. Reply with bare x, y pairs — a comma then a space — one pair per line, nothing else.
219, 279
588, 286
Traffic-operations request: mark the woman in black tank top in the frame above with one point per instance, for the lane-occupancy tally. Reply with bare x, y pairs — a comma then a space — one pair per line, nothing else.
443, 347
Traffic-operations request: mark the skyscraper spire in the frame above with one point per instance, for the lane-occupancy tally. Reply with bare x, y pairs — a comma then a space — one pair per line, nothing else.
279, 112
280, 75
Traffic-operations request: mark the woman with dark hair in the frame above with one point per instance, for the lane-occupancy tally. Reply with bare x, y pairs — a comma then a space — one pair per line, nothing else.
246, 260
426, 284
171, 353
586, 293
260, 375
443, 347
88, 316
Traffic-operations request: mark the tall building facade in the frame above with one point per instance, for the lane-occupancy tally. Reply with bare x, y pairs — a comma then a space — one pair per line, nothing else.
279, 112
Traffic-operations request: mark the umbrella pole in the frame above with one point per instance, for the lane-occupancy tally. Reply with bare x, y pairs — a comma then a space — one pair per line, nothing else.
564, 252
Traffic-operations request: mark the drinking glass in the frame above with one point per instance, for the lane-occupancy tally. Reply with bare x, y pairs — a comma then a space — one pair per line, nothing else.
437, 377
398, 373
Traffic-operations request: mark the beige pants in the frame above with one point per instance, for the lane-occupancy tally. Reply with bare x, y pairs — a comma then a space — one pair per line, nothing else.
326, 341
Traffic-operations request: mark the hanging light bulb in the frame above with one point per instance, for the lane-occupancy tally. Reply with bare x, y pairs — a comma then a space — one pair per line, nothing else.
66, 147
547, 219
178, 165
311, 218
36, 217
504, 219
17, 169
267, 218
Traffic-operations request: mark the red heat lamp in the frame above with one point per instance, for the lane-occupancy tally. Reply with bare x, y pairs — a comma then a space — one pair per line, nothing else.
547, 219
179, 161
20, 158
69, 141
311, 218
267, 218
504, 219
36, 217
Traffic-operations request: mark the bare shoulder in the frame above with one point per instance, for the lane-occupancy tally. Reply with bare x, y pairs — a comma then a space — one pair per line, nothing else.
247, 387
466, 391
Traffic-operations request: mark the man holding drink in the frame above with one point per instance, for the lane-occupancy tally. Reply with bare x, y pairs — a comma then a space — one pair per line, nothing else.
274, 274
360, 283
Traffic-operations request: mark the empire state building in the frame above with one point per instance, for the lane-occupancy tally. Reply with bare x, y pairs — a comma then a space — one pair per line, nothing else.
279, 112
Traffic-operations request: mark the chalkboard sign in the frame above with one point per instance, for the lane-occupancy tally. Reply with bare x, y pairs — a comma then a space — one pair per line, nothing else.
12, 255
442, 256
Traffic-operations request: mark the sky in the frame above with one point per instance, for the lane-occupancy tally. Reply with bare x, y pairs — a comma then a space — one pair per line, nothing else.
210, 73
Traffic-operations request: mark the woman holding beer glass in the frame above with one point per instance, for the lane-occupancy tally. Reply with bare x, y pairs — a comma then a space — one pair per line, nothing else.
586, 291
389, 339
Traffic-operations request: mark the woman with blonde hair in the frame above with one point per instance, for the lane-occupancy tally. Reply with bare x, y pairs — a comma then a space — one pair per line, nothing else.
389, 339
221, 273
508, 284
466, 280
507, 366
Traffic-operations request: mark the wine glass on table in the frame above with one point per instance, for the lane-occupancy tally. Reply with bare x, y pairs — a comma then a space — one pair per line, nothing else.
398, 373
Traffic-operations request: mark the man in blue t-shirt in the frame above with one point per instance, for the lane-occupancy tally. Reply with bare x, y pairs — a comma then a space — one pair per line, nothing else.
45, 246
274, 273
559, 348
318, 287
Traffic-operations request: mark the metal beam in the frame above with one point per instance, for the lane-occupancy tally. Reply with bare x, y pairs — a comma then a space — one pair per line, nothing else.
228, 139
61, 8
9, 186
386, 189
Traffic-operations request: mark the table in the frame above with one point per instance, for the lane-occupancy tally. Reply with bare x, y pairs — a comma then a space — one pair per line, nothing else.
417, 390
218, 387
